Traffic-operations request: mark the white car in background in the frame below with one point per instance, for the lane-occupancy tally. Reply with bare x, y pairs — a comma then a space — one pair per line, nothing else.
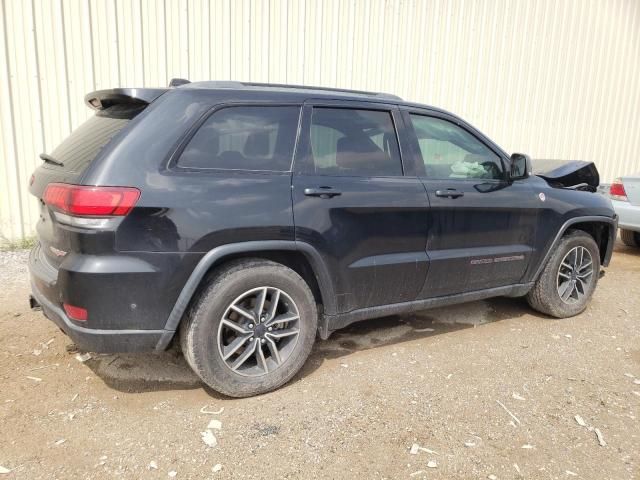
625, 196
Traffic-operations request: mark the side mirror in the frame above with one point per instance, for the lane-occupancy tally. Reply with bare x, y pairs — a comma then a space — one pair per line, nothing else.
520, 166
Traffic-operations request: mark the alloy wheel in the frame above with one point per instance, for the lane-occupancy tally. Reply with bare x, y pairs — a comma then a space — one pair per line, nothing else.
575, 275
258, 331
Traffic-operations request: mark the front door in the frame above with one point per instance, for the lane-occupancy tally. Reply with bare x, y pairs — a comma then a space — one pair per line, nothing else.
352, 202
481, 226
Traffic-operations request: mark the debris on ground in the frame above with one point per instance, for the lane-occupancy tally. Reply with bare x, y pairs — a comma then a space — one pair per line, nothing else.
469, 444
517, 396
152, 465
527, 446
211, 412
424, 330
597, 431
507, 410
172, 474
492, 477
4, 470
515, 465
216, 468
209, 438
35, 379
61, 441
432, 464
419, 472
215, 425
41, 367
71, 348
569, 472
83, 357
415, 449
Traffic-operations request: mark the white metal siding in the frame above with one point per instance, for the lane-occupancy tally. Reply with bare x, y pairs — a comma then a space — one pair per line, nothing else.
552, 79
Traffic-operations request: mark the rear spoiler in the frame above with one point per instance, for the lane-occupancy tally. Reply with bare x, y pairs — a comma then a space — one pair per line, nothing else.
101, 99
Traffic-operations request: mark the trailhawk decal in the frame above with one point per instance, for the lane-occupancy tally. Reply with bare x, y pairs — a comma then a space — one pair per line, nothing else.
484, 261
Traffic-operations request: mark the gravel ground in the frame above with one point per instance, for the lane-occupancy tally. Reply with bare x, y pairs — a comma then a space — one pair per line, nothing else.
484, 390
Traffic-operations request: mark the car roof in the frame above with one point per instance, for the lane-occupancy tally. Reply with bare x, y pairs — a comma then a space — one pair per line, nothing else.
101, 99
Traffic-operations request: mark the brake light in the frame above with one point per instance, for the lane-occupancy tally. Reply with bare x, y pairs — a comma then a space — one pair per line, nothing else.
617, 192
89, 201
75, 313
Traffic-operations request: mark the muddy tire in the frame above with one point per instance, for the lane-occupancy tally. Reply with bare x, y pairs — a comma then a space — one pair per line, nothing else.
569, 278
251, 328
630, 237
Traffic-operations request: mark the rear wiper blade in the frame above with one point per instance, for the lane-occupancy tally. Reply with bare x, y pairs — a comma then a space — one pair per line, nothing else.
49, 159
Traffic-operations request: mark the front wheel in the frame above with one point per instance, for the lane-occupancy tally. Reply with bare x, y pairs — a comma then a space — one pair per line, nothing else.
569, 277
251, 329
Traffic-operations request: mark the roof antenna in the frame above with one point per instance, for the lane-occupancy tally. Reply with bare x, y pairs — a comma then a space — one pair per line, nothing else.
176, 82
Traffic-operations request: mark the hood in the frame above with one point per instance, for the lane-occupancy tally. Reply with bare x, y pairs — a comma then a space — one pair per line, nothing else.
575, 174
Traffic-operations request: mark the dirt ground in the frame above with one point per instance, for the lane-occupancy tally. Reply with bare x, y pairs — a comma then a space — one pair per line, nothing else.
484, 390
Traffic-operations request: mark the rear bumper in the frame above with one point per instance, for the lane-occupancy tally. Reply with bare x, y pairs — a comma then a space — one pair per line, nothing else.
629, 215
45, 293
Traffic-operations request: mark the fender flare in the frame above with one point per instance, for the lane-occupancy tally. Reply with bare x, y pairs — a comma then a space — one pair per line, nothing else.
219, 253
613, 228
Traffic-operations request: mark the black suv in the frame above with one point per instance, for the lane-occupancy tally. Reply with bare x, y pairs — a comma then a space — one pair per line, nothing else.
242, 219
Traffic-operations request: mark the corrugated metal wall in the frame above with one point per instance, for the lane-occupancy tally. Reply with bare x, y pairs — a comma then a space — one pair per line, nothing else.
553, 79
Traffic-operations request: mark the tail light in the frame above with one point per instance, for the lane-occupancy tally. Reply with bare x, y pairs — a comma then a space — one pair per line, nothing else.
616, 191
88, 206
76, 313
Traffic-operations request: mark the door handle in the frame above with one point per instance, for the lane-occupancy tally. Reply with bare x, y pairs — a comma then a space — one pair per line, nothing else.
322, 192
449, 193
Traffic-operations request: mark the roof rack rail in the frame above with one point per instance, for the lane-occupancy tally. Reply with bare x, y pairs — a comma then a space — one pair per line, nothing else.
328, 89
237, 84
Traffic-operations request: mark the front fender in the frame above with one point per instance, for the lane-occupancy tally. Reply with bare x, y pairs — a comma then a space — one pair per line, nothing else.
612, 227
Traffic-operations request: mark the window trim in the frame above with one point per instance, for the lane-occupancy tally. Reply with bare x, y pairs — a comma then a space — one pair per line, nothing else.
417, 153
303, 159
183, 142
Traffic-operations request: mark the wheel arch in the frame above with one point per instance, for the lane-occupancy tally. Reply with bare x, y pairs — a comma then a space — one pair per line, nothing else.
299, 256
601, 229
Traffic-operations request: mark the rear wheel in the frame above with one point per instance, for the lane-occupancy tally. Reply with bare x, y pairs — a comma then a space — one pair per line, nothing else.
630, 237
251, 329
569, 277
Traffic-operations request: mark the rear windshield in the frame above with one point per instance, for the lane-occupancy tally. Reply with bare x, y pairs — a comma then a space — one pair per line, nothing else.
79, 149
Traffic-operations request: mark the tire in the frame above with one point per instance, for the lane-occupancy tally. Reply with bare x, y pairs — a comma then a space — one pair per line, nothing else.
630, 237
207, 338
545, 296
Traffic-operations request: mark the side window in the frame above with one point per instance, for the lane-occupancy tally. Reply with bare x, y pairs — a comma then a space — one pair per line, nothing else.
347, 141
244, 138
449, 151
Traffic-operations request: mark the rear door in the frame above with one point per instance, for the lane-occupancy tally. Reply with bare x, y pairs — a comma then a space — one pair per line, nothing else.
353, 203
482, 226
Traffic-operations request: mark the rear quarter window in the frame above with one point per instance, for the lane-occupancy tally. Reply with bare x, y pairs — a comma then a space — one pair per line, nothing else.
80, 148
254, 138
